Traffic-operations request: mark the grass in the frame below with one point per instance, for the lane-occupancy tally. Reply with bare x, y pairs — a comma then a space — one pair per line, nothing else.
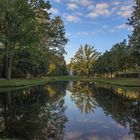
70, 78
37, 81
127, 82
21, 83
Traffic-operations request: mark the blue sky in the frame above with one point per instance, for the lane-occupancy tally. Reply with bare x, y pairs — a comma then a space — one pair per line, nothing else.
101, 23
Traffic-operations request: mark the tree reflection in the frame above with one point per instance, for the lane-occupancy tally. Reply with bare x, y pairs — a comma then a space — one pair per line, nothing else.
122, 105
34, 114
82, 95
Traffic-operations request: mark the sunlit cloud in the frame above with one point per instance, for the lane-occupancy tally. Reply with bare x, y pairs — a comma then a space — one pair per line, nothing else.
116, 3
71, 18
57, 1
102, 6
118, 28
73, 135
85, 33
79, 13
68, 34
72, 6
125, 11
84, 3
101, 9
54, 11
122, 26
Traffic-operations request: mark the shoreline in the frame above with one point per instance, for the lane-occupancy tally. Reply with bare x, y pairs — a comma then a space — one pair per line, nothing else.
23, 83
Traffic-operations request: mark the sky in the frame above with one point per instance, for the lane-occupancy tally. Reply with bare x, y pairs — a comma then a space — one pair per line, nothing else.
101, 23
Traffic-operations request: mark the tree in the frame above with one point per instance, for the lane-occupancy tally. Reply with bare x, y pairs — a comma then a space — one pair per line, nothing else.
104, 64
115, 60
134, 39
84, 59
17, 28
30, 37
30, 62
82, 96
120, 57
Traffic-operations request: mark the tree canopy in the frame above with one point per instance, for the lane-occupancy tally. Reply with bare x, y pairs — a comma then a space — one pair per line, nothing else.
84, 59
28, 36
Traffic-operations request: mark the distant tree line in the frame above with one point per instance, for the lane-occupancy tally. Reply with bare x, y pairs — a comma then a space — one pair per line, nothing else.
31, 41
121, 57
116, 60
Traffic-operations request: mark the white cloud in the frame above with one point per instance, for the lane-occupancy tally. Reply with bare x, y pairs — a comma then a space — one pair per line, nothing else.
84, 3
72, 6
102, 6
84, 33
125, 11
71, 18
58, 1
101, 9
125, 14
68, 34
97, 13
105, 26
116, 3
122, 26
118, 28
79, 13
54, 11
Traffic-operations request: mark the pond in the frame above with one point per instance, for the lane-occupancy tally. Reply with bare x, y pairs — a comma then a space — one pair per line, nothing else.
70, 111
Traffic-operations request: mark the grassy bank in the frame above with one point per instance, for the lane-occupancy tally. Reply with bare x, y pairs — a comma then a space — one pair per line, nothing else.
38, 81
127, 82
23, 82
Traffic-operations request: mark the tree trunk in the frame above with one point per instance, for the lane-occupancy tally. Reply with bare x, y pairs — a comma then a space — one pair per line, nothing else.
5, 66
139, 74
5, 114
125, 73
9, 66
9, 99
88, 73
117, 76
111, 74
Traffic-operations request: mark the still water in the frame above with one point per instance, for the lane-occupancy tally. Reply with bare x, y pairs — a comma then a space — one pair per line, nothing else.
70, 111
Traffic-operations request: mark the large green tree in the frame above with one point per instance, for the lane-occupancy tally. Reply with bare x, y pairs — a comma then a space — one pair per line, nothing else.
120, 57
29, 37
84, 59
134, 40
117, 59
17, 28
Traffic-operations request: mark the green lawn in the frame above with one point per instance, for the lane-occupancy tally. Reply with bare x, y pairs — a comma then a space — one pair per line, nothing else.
23, 82
127, 82
38, 81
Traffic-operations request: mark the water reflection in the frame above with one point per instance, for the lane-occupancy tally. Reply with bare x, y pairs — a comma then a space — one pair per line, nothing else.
85, 111
122, 105
36, 113
82, 95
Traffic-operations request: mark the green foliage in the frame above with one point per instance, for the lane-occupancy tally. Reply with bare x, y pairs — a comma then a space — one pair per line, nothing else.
134, 40
84, 60
35, 112
29, 38
115, 60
